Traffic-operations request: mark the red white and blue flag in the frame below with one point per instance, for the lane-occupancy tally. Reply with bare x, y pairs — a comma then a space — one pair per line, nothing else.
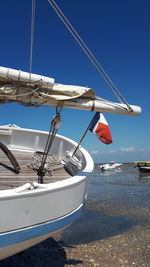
100, 128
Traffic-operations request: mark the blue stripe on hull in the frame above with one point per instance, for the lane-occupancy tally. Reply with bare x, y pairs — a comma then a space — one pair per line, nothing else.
14, 237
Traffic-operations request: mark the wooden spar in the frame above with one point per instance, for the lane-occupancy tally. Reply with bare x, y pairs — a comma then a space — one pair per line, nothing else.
103, 106
82, 104
48, 93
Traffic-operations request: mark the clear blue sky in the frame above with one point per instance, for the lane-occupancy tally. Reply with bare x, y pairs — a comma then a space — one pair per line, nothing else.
118, 34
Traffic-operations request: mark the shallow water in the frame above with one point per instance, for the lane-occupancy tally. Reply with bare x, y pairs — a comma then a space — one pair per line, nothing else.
117, 201
92, 227
121, 186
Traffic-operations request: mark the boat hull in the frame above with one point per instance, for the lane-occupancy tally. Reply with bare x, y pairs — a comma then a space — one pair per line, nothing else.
109, 167
32, 212
144, 169
16, 241
143, 166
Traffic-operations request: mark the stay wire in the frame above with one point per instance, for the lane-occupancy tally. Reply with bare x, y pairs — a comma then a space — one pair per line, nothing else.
32, 34
88, 52
50, 139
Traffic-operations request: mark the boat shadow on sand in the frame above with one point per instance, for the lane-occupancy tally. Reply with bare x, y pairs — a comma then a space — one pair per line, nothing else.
90, 227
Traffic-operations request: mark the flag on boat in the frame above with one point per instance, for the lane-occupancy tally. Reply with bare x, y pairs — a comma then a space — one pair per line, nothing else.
100, 128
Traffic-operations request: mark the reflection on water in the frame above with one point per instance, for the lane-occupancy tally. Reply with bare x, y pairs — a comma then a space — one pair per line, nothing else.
125, 186
110, 172
144, 175
92, 226
122, 187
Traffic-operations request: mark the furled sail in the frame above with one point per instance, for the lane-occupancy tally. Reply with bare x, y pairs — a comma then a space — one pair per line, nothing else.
23, 87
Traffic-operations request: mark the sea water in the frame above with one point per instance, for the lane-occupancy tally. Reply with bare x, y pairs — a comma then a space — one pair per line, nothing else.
117, 201
125, 185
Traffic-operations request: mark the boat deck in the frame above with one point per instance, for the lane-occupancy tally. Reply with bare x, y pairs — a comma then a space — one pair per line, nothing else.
9, 179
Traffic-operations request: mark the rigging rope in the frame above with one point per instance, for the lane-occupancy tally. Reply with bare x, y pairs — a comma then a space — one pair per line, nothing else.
20, 95
55, 124
32, 34
89, 54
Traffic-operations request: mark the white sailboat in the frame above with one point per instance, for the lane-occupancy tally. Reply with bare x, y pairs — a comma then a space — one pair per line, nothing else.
44, 176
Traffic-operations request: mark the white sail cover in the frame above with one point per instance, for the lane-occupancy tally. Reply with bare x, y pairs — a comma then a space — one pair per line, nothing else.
19, 86
7, 74
10, 80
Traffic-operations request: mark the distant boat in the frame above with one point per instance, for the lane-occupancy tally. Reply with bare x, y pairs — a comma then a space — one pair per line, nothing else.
143, 166
110, 166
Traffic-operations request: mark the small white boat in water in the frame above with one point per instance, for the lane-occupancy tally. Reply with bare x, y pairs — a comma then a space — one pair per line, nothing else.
43, 175
110, 166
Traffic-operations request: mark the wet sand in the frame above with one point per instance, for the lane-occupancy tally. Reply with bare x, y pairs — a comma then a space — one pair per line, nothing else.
113, 232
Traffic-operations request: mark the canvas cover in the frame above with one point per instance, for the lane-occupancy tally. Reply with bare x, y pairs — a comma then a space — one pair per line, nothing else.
16, 83
57, 92
36, 90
